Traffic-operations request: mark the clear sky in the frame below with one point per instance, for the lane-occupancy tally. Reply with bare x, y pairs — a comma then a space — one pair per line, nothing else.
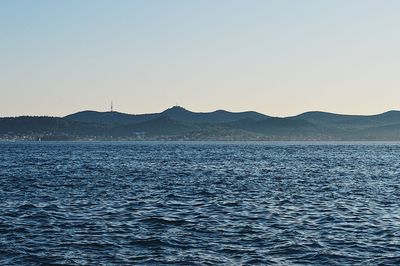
276, 57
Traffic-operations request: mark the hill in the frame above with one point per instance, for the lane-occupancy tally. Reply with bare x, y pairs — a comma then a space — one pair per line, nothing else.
352, 122
177, 123
175, 113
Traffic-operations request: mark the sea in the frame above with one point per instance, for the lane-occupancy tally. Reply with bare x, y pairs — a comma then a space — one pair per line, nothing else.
199, 203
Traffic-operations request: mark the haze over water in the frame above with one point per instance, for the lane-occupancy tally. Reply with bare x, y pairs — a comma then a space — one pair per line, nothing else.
185, 203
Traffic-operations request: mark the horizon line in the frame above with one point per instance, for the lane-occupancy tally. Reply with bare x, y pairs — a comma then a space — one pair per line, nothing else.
200, 112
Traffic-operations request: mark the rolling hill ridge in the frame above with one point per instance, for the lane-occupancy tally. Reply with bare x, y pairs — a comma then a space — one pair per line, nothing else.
177, 123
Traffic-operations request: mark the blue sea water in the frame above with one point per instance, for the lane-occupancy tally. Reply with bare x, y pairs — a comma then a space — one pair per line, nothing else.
176, 203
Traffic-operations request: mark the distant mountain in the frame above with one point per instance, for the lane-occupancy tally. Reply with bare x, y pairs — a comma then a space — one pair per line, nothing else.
109, 117
177, 123
324, 117
220, 116
350, 122
175, 113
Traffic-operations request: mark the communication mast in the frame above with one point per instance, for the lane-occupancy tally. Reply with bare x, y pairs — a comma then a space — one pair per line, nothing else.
112, 107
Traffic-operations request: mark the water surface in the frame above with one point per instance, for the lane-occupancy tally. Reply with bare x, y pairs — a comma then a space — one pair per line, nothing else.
156, 203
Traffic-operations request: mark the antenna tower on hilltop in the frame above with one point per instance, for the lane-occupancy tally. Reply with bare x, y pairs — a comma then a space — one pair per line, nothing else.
112, 107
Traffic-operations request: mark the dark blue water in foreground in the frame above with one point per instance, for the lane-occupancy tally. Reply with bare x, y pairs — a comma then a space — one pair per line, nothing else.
199, 204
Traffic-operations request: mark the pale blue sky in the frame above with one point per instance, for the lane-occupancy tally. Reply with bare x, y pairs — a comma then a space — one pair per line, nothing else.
276, 57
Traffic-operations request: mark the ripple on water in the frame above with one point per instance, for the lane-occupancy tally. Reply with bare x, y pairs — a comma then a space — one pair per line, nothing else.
199, 204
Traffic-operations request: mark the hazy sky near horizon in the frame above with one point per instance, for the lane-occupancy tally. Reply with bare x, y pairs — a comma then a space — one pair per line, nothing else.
276, 57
